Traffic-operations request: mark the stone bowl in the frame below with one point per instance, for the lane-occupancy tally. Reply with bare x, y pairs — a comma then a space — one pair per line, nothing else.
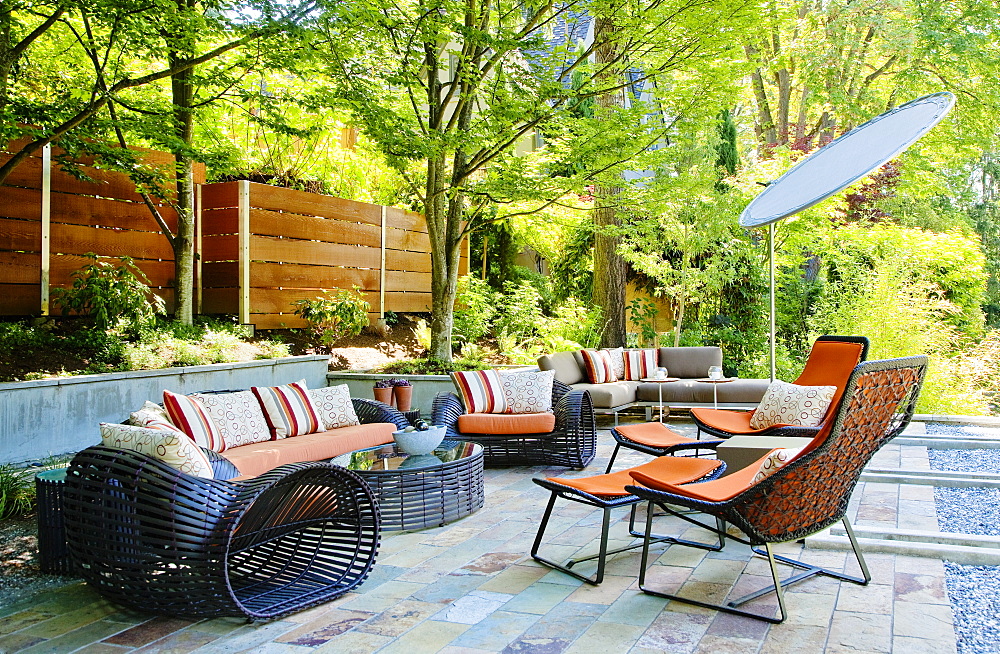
419, 442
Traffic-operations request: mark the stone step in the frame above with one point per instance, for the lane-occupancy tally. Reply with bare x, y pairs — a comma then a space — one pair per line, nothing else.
962, 554
932, 477
919, 535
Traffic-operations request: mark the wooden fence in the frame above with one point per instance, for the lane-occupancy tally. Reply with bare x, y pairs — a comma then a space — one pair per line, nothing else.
264, 247
261, 247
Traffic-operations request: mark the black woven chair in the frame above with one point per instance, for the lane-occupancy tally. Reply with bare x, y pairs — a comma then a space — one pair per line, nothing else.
154, 539
573, 442
808, 494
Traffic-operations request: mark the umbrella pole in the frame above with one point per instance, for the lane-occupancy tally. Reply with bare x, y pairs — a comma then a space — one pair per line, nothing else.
770, 261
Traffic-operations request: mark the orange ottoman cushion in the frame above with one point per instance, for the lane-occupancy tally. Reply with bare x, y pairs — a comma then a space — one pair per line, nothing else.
506, 423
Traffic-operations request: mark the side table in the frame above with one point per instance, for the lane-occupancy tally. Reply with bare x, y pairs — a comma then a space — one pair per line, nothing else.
660, 381
52, 554
715, 387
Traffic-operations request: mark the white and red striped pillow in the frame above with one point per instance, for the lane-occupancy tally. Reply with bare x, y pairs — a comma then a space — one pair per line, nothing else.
639, 364
288, 409
190, 417
600, 368
481, 391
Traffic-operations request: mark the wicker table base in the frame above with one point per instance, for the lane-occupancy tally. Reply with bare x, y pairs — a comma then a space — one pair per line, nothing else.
427, 490
53, 556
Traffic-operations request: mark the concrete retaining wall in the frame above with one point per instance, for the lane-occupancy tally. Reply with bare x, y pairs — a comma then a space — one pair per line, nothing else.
56, 416
425, 387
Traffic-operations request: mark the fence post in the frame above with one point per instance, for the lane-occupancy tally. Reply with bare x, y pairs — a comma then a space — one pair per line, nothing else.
381, 270
46, 249
243, 209
200, 288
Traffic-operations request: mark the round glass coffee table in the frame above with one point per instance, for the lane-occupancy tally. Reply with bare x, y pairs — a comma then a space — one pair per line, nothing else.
419, 491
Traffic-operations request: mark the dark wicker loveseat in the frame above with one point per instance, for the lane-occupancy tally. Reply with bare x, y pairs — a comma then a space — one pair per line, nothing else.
152, 538
573, 442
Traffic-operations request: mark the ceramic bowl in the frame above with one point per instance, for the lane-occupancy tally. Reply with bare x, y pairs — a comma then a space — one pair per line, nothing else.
419, 442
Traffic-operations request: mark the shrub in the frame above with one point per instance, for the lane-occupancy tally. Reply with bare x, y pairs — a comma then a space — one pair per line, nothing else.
333, 317
110, 295
17, 492
475, 306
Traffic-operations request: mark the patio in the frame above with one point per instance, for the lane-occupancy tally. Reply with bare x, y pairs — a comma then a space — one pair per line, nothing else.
471, 587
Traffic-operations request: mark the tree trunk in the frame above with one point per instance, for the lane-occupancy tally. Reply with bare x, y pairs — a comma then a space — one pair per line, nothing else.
182, 90
609, 266
442, 288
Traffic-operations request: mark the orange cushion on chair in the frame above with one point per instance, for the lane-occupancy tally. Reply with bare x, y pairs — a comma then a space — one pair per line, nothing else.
734, 422
677, 469
653, 434
830, 364
716, 490
510, 423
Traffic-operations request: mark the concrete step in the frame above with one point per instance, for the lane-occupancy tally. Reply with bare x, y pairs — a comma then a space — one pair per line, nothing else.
918, 536
963, 554
932, 477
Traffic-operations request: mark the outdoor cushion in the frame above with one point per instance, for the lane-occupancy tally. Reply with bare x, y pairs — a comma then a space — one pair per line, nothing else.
745, 391
598, 367
605, 396
517, 423
564, 364
238, 417
188, 413
617, 357
683, 390
792, 404
480, 391
639, 364
679, 469
774, 461
690, 362
257, 458
334, 406
170, 446
716, 490
527, 391
288, 409
151, 415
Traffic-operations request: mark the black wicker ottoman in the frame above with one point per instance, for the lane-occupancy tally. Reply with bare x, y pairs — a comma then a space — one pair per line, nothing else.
426, 490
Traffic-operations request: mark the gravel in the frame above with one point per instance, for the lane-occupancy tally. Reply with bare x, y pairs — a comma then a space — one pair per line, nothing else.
974, 590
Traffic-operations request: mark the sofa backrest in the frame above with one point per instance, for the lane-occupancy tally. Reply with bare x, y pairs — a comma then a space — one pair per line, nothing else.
568, 366
690, 362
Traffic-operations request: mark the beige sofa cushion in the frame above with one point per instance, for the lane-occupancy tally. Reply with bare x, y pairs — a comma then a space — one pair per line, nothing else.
746, 391
612, 394
257, 458
567, 365
682, 390
690, 362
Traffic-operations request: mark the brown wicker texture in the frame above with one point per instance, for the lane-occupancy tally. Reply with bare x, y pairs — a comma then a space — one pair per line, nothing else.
792, 430
431, 496
812, 492
573, 443
149, 537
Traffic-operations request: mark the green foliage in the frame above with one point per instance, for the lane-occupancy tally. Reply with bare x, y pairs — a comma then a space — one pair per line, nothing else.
432, 366
643, 312
110, 295
475, 307
17, 492
334, 317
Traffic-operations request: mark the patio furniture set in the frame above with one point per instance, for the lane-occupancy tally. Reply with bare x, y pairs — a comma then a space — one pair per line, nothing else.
264, 502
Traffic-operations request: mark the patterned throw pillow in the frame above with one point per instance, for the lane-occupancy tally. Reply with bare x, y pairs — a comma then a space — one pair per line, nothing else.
237, 416
333, 403
288, 409
169, 446
599, 366
775, 461
639, 364
481, 391
527, 391
617, 356
788, 404
188, 414
151, 415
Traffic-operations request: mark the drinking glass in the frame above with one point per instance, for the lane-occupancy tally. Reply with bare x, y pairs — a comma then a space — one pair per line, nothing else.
715, 372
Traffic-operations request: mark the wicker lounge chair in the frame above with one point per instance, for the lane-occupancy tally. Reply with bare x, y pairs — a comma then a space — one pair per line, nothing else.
147, 536
809, 493
830, 362
573, 442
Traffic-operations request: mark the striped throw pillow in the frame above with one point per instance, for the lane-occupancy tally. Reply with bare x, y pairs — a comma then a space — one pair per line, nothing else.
481, 391
188, 415
599, 367
288, 409
639, 364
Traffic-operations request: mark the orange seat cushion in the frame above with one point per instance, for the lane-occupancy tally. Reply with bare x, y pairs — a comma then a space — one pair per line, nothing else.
653, 434
677, 469
734, 422
506, 423
257, 458
716, 490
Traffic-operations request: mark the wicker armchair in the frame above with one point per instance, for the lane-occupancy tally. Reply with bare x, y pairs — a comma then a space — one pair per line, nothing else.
573, 442
147, 536
808, 494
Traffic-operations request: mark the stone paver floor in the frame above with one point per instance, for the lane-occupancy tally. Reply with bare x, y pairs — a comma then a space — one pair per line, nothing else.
471, 587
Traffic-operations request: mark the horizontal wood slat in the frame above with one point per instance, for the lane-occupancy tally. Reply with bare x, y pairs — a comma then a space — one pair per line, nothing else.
220, 221
77, 239
297, 276
160, 273
23, 203
219, 248
289, 200
220, 195
20, 268
20, 299
20, 235
403, 219
265, 248
412, 261
276, 321
400, 280
84, 210
220, 300
401, 239
329, 230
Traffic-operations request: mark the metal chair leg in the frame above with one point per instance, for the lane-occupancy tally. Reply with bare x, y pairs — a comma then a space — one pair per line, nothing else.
614, 454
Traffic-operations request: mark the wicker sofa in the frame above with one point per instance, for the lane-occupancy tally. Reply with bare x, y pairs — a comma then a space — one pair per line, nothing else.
686, 363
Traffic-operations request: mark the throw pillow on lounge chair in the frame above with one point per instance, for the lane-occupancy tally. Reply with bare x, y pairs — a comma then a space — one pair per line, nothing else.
790, 404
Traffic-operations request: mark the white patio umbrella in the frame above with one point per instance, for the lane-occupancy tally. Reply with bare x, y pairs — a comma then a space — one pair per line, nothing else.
839, 164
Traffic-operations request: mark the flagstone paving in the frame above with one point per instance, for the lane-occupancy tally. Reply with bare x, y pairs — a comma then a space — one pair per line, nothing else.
471, 587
